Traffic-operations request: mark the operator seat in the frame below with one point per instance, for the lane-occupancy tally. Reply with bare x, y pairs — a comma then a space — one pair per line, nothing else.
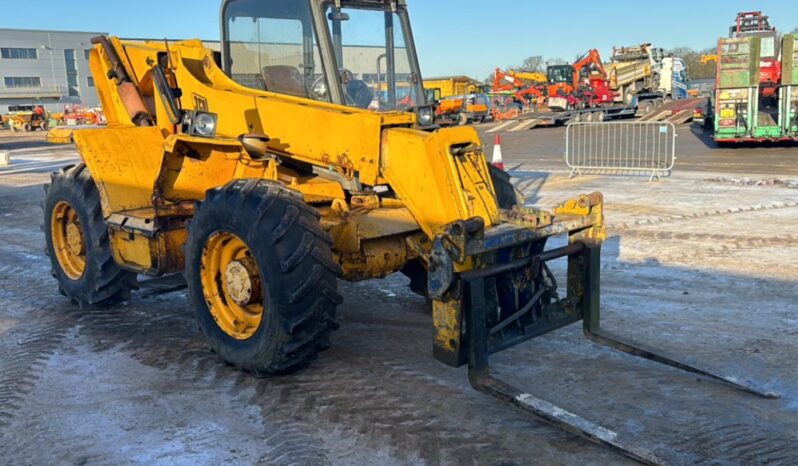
284, 79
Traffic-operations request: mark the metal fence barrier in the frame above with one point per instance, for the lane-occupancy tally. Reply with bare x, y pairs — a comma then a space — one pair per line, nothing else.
621, 147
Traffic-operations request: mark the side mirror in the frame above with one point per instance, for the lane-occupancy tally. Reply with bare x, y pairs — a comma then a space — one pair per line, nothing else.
338, 16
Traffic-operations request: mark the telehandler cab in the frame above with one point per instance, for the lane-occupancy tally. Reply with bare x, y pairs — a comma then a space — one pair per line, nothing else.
265, 176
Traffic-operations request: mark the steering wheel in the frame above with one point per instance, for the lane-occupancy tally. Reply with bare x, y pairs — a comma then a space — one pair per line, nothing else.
319, 89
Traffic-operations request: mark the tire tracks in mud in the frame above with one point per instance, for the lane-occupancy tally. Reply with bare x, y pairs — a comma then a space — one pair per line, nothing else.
153, 332
376, 407
383, 403
157, 329
33, 337
652, 221
736, 240
22, 361
148, 337
744, 444
724, 244
363, 397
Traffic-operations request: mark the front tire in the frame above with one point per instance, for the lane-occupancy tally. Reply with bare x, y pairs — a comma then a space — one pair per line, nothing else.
261, 277
506, 194
78, 243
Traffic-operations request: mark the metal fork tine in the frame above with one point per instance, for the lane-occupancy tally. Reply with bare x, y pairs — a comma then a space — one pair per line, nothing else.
606, 338
562, 418
480, 378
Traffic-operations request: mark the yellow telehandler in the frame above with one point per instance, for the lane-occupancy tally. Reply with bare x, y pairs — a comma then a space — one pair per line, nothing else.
267, 172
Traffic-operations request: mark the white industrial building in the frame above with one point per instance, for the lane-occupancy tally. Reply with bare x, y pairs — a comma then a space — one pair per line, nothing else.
50, 68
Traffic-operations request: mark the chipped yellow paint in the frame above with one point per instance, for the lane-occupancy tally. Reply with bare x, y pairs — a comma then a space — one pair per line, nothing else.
591, 208
125, 162
438, 187
132, 250
447, 318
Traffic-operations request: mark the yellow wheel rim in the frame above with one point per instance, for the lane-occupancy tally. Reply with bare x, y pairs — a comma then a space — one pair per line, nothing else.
68, 239
231, 284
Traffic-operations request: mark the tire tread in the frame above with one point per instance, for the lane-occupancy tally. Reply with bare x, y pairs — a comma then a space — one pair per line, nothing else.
304, 292
104, 283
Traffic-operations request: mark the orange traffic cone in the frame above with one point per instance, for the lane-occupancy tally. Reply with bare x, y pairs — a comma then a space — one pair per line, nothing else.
497, 162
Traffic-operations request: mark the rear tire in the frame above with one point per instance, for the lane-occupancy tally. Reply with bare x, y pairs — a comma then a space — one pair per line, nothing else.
297, 277
646, 107
27, 127
87, 274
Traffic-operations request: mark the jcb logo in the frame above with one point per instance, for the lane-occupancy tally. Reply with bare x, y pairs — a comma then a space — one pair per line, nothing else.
200, 103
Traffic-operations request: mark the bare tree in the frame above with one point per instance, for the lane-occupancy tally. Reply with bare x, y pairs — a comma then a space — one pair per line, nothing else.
556, 61
692, 60
533, 63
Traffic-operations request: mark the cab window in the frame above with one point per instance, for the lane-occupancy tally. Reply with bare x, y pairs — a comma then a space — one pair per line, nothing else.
374, 61
272, 46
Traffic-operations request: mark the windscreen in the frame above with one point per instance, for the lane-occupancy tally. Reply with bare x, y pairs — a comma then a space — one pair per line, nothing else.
560, 74
768, 47
375, 62
735, 55
272, 46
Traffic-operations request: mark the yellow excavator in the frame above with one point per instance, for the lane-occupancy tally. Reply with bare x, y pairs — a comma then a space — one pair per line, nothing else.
268, 172
531, 76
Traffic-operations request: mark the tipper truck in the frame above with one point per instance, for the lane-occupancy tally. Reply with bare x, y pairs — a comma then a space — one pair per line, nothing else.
646, 72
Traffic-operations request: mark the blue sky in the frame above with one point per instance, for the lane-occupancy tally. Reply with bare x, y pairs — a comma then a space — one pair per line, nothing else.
453, 36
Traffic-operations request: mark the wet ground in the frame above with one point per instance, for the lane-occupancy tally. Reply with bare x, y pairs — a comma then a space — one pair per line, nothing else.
703, 264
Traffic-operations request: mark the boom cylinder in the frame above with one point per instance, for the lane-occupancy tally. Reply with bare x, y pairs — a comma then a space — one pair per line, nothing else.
128, 92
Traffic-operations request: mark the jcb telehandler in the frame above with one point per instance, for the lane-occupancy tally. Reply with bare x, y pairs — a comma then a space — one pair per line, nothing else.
260, 175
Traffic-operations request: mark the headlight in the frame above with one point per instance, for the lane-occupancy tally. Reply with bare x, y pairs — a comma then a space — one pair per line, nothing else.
198, 123
424, 116
205, 124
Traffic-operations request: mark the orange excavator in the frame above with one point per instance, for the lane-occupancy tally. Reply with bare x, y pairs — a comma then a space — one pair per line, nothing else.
514, 91
585, 83
521, 84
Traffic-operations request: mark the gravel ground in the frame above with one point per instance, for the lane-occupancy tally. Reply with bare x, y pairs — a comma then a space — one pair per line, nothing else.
702, 264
